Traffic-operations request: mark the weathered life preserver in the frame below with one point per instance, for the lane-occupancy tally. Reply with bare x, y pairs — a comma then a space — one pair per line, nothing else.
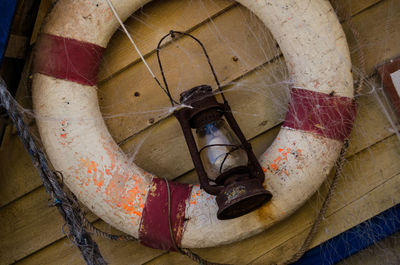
320, 117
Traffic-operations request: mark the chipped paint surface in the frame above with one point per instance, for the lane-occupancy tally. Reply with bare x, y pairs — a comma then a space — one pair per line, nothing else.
111, 180
295, 166
97, 171
200, 194
155, 224
281, 164
63, 133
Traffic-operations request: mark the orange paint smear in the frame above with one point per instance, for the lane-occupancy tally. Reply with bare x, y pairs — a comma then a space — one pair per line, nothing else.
280, 162
128, 201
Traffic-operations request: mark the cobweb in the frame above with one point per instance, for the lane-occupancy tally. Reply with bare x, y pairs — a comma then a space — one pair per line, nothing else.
256, 82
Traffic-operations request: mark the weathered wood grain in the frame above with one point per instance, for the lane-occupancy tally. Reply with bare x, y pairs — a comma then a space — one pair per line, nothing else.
371, 204
152, 150
379, 34
15, 169
63, 252
352, 7
17, 174
361, 178
19, 190
153, 21
260, 143
26, 227
127, 114
132, 98
162, 149
365, 134
44, 8
371, 13
18, 160
24, 243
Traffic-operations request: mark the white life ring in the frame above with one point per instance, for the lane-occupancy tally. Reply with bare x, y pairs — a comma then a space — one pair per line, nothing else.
321, 113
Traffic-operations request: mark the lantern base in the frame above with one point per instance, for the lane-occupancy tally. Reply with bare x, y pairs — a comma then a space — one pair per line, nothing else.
240, 198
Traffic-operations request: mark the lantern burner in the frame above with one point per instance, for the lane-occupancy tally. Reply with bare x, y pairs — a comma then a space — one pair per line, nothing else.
240, 197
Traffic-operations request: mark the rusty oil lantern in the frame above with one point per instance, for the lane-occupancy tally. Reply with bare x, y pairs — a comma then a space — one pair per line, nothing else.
223, 158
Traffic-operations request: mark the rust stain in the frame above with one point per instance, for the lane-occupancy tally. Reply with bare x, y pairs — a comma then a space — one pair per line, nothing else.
266, 214
178, 229
64, 141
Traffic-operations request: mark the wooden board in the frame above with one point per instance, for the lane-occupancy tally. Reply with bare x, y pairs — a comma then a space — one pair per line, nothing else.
350, 8
235, 33
379, 34
360, 178
370, 128
44, 8
17, 174
12, 153
15, 167
367, 105
373, 125
167, 139
365, 208
115, 252
19, 190
149, 24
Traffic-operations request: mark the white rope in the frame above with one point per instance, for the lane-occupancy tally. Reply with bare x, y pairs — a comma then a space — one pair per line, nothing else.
130, 37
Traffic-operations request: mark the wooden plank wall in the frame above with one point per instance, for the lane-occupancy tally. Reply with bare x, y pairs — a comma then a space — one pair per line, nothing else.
31, 231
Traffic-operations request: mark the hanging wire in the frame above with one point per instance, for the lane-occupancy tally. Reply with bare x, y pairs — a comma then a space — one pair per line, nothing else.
166, 88
172, 34
134, 44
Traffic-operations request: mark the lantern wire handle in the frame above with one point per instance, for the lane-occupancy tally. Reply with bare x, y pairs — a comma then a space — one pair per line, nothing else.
166, 88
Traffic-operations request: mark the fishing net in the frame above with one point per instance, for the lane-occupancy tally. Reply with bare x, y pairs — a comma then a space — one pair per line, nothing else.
256, 82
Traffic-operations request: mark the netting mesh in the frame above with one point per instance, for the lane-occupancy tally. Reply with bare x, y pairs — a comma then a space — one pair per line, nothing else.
256, 82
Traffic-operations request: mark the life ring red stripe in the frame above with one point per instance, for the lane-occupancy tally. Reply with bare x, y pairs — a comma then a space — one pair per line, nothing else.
154, 226
68, 59
327, 115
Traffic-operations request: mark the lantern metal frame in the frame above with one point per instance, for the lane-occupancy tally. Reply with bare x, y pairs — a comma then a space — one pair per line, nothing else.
205, 104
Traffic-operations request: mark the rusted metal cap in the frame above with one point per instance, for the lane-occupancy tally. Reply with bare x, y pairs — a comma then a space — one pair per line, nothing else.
194, 94
205, 107
240, 198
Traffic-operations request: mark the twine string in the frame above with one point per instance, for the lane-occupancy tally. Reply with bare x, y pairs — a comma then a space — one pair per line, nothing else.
185, 251
66, 204
69, 207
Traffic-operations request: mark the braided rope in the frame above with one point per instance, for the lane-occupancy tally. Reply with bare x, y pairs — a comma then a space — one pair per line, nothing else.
66, 204
321, 214
184, 251
340, 162
74, 217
